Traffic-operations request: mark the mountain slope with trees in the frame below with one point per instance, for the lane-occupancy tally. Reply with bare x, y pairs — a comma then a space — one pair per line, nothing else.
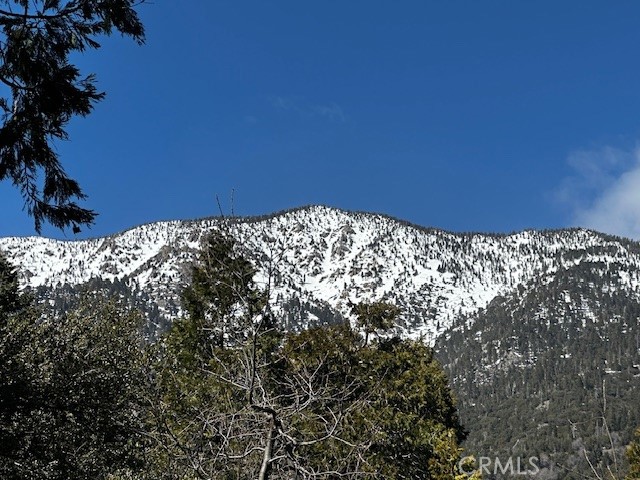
553, 371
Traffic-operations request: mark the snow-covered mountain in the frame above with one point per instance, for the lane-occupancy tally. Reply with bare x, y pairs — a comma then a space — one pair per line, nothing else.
325, 258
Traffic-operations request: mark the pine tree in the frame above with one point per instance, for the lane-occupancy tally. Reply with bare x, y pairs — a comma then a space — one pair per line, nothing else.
374, 317
222, 295
46, 91
11, 301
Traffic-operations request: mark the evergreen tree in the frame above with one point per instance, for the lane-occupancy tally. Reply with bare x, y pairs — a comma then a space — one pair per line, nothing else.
222, 300
374, 317
11, 301
399, 416
46, 91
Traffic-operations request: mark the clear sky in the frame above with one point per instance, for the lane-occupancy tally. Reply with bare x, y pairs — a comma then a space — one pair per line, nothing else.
463, 115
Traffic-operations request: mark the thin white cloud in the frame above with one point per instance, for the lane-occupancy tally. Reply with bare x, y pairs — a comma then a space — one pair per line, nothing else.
604, 192
331, 111
284, 103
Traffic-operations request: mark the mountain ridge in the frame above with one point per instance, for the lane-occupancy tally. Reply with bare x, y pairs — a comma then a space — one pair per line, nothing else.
267, 216
327, 257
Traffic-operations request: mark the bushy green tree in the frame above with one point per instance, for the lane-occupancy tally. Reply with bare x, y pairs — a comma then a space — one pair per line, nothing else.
374, 317
69, 390
15, 376
398, 416
45, 90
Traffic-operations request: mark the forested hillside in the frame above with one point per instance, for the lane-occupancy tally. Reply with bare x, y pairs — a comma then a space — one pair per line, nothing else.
553, 371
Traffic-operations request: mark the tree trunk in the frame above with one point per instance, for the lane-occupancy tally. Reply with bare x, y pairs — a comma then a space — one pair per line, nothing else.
265, 469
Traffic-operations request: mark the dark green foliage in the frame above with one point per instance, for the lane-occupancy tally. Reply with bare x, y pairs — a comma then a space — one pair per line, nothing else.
70, 395
11, 301
82, 421
221, 293
69, 390
15, 375
398, 407
46, 91
375, 317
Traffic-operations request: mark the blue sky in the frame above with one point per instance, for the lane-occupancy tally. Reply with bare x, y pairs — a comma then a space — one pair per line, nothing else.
463, 115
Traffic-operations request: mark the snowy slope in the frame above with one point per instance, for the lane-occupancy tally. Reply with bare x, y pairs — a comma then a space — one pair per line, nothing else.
326, 256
